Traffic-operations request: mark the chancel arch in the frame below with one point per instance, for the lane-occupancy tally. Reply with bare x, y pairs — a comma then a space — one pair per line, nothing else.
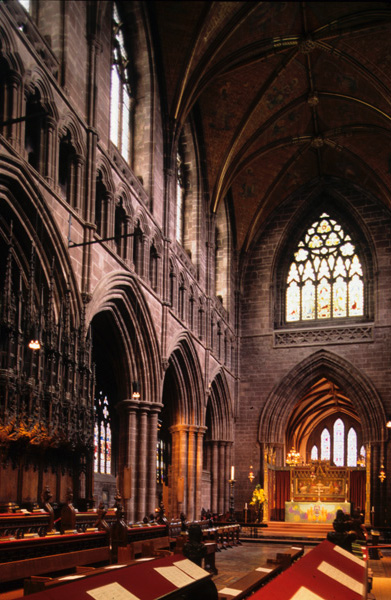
127, 358
292, 417
218, 446
182, 429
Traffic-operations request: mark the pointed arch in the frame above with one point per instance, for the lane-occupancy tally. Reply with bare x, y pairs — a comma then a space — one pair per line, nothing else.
282, 400
186, 369
220, 404
118, 294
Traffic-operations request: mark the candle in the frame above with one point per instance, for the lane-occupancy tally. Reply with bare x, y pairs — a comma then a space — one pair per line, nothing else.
245, 506
232, 473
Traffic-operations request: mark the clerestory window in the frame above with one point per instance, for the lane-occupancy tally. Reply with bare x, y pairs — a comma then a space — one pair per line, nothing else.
120, 91
102, 435
325, 278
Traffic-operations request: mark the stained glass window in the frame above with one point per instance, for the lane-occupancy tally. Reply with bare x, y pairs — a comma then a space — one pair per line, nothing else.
339, 443
120, 92
325, 449
314, 453
102, 435
26, 4
352, 448
325, 278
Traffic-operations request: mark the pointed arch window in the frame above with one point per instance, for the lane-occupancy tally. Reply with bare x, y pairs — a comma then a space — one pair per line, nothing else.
339, 443
325, 447
102, 435
352, 448
325, 278
314, 452
120, 91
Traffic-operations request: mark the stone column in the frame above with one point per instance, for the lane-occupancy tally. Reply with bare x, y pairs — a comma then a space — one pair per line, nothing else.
76, 196
127, 455
179, 469
215, 481
191, 473
152, 445
142, 447
199, 469
48, 151
228, 463
222, 476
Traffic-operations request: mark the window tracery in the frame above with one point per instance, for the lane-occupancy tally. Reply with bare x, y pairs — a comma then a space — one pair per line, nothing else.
120, 90
102, 435
325, 278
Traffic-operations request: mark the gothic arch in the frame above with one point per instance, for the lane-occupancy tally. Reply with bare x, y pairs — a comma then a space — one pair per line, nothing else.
104, 167
185, 367
220, 408
23, 205
282, 400
37, 79
119, 295
68, 122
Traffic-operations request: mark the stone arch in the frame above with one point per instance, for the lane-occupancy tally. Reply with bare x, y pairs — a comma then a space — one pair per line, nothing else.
221, 407
282, 400
185, 366
103, 166
37, 79
68, 123
119, 295
33, 223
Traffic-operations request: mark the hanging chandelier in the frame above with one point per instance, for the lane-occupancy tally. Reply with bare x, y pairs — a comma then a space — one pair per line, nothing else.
382, 474
251, 475
293, 457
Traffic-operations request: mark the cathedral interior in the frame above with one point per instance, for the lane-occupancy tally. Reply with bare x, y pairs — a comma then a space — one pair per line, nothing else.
195, 254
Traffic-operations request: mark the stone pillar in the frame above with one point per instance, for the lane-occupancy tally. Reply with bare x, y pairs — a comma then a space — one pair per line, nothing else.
76, 196
48, 151
215, 472
191, 473
142, 447
199, 468
228, 463
222, 477
127, 455
151, 469
179, 469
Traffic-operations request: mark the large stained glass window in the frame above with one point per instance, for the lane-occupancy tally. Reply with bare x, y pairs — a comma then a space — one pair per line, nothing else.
325, 278
102, 435
120, 93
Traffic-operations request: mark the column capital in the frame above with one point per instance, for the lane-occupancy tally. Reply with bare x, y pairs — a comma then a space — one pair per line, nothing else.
178, 428
128, 405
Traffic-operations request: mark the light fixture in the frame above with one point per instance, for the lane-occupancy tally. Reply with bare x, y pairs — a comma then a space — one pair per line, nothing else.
382, 474
34, 345
251, 475
136, 390
293, 457
388, 424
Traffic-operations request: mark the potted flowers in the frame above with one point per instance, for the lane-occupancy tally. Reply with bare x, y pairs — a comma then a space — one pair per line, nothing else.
258, 499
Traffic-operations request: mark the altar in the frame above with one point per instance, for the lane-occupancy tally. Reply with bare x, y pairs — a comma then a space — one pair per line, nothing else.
318, 491
314, 512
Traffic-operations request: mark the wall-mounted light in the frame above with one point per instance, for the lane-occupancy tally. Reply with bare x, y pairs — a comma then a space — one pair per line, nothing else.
388, 424
136, 390
34, 344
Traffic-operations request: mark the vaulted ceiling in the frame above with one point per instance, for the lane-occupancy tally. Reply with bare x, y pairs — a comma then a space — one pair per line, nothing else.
286, 92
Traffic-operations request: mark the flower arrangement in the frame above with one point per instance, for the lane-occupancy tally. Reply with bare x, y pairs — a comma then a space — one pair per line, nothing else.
258, 497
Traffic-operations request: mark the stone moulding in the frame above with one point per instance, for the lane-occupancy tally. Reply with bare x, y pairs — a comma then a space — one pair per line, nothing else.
317, 337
